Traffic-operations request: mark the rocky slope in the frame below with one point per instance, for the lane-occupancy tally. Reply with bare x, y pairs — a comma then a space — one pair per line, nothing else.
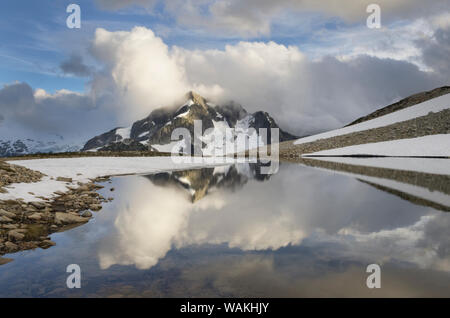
420, 115
404, 103
154, 132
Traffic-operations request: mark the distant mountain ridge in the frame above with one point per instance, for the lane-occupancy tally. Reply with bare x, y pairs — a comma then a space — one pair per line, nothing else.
154, 132
25, 146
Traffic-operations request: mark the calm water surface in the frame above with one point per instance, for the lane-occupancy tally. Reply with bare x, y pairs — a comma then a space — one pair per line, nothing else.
231, 232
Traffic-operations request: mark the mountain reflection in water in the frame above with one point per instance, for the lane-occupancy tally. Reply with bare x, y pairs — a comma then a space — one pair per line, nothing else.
230, 231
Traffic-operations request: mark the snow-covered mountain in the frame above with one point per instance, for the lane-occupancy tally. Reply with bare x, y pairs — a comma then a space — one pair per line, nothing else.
24, 146
154, 132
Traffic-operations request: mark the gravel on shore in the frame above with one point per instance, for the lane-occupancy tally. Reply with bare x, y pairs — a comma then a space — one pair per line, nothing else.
28, 225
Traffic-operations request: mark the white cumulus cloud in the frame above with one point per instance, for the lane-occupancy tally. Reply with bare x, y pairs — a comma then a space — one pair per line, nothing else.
303, 95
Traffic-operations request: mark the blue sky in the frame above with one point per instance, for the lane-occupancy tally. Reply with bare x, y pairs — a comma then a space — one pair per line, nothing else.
313, 65
36, 39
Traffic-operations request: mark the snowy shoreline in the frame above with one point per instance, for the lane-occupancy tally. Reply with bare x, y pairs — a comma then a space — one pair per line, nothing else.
85, 169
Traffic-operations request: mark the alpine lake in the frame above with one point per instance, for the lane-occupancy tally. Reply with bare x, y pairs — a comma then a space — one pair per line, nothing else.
309, 230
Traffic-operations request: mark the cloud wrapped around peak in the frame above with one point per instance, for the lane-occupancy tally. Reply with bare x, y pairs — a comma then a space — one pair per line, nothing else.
141, 70
304, 95
138, 72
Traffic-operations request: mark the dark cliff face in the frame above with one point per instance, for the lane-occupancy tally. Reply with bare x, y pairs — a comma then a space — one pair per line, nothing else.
231, 112
263, 120
157, 128
103, 140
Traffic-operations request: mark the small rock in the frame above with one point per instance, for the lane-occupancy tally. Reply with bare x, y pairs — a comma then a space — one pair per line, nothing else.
11, 247
112, 189
14, 234
58, 207
46, 244
9, 226
38, 205
86, 214
83, 188
63, 179
35, 216
7, 214
66, 218
30, 209
95, 207
5, 219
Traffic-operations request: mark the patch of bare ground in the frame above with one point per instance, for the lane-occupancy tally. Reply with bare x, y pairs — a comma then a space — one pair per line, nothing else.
404, 103
16, 174
431, 124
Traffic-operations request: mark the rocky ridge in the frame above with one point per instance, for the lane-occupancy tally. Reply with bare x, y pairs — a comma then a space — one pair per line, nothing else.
430, 124
154, 132
404, 103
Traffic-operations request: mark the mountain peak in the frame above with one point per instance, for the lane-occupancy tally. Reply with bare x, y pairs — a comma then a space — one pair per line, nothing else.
155, 130
196, 98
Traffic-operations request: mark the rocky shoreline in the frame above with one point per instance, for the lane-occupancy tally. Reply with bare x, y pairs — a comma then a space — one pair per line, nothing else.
16, 174
28, 225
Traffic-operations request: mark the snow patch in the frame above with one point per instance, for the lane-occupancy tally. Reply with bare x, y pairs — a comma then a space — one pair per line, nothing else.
171, 147
426, 146
84, 169
184, 114
124, 132
433, 105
